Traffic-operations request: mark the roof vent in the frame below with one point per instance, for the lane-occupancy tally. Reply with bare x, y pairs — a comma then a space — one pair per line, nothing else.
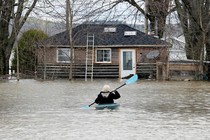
110, 29
130, 33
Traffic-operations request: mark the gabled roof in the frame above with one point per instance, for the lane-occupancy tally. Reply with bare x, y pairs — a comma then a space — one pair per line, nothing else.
103, 38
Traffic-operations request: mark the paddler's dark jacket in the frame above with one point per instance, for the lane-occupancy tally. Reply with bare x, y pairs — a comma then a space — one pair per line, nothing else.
107, 100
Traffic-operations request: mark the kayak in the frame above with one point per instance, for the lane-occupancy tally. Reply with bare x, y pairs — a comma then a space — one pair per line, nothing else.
107, 106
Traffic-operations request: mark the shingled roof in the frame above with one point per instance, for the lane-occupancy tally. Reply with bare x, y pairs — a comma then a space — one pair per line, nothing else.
104, 38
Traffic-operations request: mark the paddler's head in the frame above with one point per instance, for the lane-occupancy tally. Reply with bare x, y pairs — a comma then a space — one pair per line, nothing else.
105, 90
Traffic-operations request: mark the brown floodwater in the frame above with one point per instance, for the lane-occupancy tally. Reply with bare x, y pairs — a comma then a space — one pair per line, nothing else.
149, 110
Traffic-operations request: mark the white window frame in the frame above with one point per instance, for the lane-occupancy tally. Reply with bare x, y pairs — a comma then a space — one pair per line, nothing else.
130, 33
110, 29
63, 49
103, 49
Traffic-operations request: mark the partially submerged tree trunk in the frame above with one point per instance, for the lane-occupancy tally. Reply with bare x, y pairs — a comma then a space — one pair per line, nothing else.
69, 33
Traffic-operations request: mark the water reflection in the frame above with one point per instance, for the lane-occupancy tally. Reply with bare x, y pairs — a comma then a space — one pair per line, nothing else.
149, 110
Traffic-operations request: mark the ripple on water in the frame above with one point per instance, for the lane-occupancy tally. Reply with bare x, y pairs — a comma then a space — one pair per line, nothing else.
53, 110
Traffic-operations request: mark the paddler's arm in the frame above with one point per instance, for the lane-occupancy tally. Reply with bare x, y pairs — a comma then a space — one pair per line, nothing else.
116, 94
98, 99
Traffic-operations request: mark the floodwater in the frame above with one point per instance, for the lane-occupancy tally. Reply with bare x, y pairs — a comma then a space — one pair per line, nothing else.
150, 110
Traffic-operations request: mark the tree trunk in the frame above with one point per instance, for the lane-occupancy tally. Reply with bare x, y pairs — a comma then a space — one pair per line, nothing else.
208, 42
194, 21
11, 13
194, 18
69, 33
208, 45
146, 18
156, 11
5, 51
4, 64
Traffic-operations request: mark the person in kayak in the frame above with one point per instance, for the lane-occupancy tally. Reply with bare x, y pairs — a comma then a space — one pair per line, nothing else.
106, 96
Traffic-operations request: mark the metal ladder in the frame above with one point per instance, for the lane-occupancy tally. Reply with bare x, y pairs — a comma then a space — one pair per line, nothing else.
89, 57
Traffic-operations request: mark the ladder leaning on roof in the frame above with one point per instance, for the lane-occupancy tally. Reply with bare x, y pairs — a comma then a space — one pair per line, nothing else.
89, 56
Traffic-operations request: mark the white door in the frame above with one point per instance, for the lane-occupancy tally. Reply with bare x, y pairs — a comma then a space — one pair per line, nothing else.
127, 62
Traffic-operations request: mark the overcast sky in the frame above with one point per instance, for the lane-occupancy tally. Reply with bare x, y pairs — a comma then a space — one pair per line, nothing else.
90, 10
96, 10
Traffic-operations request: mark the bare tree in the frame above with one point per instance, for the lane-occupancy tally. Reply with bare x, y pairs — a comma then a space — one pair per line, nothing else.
13, 15
155, 11
195, 21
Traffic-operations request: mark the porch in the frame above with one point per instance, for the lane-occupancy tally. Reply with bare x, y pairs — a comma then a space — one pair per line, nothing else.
50, 71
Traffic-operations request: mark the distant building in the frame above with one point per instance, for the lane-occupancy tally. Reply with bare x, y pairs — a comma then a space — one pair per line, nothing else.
177, 52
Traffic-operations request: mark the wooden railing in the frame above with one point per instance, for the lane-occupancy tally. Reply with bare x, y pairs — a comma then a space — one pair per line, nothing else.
146, 70
99, 70
62, 71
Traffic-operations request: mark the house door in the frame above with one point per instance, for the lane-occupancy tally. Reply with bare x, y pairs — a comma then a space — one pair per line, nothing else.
127, 62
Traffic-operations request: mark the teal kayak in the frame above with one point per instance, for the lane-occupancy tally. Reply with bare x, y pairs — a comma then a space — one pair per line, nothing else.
107, 106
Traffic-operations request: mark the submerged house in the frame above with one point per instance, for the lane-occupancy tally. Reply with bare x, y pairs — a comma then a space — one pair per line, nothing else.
103, 51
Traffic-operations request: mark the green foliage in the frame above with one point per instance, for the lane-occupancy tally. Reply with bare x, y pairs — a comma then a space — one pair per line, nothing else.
27, 50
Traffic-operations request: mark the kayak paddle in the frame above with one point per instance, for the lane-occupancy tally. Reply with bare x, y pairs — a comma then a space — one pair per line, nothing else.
131, 80
87, 106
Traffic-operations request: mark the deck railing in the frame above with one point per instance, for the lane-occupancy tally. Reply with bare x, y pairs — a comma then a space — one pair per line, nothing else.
79, 70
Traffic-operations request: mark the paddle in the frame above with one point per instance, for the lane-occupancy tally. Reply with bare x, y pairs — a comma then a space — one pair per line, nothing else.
131, 80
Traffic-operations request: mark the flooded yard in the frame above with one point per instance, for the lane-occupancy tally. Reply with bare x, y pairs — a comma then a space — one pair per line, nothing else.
150, 110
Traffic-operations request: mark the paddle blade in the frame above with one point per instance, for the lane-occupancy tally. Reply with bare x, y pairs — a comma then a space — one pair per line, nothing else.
86, 107
133, 79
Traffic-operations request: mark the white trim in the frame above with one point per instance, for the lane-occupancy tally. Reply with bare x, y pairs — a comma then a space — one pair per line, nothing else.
130, 33
109, 49
57, 55
125, 72
110, 29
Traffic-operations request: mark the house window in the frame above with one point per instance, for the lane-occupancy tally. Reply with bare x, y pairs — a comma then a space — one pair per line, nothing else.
110, 29
130, 33
63, 55
103, 55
